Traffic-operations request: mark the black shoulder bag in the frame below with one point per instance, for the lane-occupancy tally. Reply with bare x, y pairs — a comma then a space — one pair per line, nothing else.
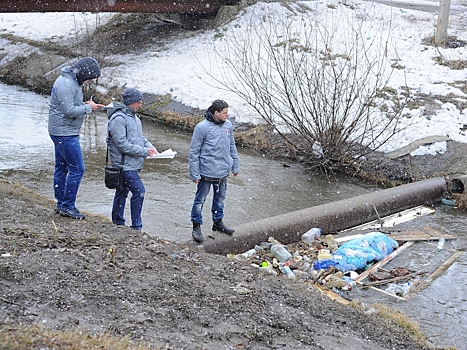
113, 174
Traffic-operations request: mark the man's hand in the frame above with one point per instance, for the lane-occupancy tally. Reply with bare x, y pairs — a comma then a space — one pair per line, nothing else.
152, 152
94, 106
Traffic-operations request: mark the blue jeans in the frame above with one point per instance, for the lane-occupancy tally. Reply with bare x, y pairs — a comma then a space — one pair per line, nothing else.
69, 170
217, 207
133, 184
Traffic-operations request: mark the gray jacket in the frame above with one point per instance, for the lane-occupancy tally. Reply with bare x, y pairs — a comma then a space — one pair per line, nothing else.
125, 136
213, 152
67, 109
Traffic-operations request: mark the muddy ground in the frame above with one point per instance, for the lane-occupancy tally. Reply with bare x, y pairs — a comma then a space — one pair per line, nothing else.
90, 275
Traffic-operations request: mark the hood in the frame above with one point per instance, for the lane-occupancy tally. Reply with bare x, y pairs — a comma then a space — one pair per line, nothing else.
119, 106
210, 117
86, 68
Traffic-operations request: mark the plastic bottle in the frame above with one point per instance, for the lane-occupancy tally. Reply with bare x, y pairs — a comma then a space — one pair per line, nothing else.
280, 253
245, 256
324, 254
323, 264
331, 243
440, 244
311, 235
350, 283
286, 271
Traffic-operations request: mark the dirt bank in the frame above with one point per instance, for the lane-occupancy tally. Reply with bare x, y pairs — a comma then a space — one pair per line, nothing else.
90, 275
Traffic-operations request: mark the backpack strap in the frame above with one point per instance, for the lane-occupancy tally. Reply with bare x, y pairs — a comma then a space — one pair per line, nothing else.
107, 153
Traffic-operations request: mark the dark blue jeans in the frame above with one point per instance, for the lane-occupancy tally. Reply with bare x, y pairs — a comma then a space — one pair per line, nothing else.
133, 184
218, 197
69, 170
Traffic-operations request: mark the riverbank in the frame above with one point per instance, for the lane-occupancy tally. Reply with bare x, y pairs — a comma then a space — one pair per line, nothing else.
93, 277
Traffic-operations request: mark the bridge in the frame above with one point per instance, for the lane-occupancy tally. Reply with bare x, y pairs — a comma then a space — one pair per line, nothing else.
195, 7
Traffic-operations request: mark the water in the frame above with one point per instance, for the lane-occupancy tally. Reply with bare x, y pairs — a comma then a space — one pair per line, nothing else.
264, 188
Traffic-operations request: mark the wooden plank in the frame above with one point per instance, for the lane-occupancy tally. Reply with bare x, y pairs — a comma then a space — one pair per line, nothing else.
394, 219
390, 280
423, 234
390, 294
330, 294
383, 261
443, 267
347, 238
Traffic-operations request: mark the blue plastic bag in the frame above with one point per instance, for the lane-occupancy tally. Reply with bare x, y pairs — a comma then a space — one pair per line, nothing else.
357, 253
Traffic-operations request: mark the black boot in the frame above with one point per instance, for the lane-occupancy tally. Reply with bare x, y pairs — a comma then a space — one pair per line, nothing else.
197, 234
219, 226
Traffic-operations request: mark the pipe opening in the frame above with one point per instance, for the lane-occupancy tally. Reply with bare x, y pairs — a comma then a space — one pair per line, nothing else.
457, 186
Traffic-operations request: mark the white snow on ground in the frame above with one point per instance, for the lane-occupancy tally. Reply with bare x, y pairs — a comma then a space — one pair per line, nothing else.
179, 68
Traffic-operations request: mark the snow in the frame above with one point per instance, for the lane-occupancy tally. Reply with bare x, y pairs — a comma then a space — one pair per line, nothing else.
184, 68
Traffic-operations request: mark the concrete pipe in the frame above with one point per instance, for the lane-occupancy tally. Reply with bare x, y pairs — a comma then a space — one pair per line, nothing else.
331, 217
458, 184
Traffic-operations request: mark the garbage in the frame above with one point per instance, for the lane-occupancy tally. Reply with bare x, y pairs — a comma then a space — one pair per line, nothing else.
340, 271
286, 271
245, 256
440, 244
350, 283
399, 289
323, 264
311, 235
280, 252
324, 254
449, 202
357, 253
331, 243
266, 267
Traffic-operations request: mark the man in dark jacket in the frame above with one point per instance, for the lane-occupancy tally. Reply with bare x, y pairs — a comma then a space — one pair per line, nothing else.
128, 148
66, 114
213, 155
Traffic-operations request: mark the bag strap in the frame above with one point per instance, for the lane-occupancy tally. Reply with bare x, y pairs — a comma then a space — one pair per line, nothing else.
126, 134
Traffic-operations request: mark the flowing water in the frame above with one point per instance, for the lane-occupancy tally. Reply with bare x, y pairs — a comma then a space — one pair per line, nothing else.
264, 188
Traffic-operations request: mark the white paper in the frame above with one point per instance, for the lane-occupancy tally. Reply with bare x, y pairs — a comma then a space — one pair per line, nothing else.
109, 106
167, 154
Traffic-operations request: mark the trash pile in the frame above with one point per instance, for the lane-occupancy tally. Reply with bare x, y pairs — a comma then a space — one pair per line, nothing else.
320, 259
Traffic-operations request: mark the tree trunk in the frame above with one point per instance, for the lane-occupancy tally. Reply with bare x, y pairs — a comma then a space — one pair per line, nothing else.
441, 34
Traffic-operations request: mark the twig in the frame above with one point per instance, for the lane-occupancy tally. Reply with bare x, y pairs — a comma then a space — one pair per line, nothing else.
56, 231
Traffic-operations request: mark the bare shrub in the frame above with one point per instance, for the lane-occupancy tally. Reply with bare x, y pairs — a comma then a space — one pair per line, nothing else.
320, 82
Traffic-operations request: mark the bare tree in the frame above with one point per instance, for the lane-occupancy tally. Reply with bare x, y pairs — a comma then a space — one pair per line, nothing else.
322, 84
441, 34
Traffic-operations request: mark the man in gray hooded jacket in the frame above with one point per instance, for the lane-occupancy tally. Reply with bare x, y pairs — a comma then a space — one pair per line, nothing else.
213, 155
128, 148
66, 114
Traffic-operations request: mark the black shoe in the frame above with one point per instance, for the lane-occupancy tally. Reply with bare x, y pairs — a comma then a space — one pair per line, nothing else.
72, 213
57, 209
219, 226
197, 234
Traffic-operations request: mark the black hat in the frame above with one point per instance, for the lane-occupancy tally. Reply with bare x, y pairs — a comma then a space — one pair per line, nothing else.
86, 68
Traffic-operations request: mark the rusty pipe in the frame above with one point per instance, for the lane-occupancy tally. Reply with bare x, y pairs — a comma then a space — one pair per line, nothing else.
331, 217
200, 7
